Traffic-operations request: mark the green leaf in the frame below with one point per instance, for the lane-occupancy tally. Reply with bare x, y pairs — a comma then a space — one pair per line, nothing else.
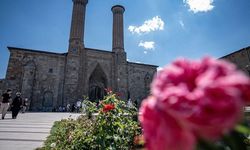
242, 129
235, 140
205, 145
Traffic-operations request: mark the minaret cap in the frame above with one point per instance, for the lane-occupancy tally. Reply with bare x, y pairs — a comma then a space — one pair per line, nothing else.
117, 8
81, 1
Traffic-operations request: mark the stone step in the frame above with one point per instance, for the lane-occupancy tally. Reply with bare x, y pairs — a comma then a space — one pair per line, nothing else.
23, 130
23, 136
26, 123
25, 126
29, 130
19, 145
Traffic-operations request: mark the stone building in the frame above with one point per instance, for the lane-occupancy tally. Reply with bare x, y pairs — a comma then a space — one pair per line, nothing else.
241, 59
55, 79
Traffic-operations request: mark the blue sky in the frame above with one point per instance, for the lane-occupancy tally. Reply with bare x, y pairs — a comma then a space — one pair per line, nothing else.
156, 31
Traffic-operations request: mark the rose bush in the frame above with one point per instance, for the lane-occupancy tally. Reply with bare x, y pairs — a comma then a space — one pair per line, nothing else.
193, 101
115, 127
112, 128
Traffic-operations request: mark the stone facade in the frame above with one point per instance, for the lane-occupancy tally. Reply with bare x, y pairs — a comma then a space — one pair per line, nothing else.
241, 59
55, 79
2, 86
38, 75
140, 76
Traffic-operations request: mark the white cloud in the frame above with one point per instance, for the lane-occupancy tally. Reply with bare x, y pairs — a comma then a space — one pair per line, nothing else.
182, 24
148, 45
153, 24
199, 5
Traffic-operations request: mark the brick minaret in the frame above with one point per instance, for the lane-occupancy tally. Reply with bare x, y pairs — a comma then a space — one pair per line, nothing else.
118, 37
77, 24
75, 62
121, 72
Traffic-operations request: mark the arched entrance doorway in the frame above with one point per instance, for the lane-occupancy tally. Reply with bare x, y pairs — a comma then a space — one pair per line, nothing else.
97, 84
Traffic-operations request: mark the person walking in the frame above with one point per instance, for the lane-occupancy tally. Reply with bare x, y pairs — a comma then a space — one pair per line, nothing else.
25, 104
6, 98
129, 104
78, 106
68, 107
16, 105
73, 107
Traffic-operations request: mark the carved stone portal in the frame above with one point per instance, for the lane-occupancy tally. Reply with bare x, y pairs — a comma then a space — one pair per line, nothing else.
97, 84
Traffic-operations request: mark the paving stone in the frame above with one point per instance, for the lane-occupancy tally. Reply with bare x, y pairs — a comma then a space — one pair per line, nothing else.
29, 130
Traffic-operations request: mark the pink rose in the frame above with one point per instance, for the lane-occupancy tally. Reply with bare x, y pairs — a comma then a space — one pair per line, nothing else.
162, 131
206, 97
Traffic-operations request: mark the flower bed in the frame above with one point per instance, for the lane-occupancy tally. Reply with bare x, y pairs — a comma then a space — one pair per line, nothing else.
114, 127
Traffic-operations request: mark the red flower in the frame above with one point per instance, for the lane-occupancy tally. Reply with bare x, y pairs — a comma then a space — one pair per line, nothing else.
108, 107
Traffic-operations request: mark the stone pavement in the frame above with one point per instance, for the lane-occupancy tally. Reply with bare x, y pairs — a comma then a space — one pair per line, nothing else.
29, 130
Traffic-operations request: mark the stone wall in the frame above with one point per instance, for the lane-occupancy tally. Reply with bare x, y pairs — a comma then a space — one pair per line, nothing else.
241, 59
105, 60
139, 79
38, 75
2, 87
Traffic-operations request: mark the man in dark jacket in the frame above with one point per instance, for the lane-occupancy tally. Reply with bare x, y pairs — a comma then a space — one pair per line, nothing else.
6, 98
16, 105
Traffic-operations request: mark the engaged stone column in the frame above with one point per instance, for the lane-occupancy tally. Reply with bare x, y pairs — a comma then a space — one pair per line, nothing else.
118, 37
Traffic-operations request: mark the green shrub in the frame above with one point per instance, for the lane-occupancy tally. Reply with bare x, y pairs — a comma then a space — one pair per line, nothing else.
112, 129
90, 107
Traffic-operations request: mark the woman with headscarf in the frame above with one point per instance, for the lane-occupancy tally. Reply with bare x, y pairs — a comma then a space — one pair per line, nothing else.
16, 105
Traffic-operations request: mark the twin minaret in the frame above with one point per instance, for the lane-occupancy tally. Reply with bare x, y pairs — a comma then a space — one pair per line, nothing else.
118, 37
78, 22
75, 80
